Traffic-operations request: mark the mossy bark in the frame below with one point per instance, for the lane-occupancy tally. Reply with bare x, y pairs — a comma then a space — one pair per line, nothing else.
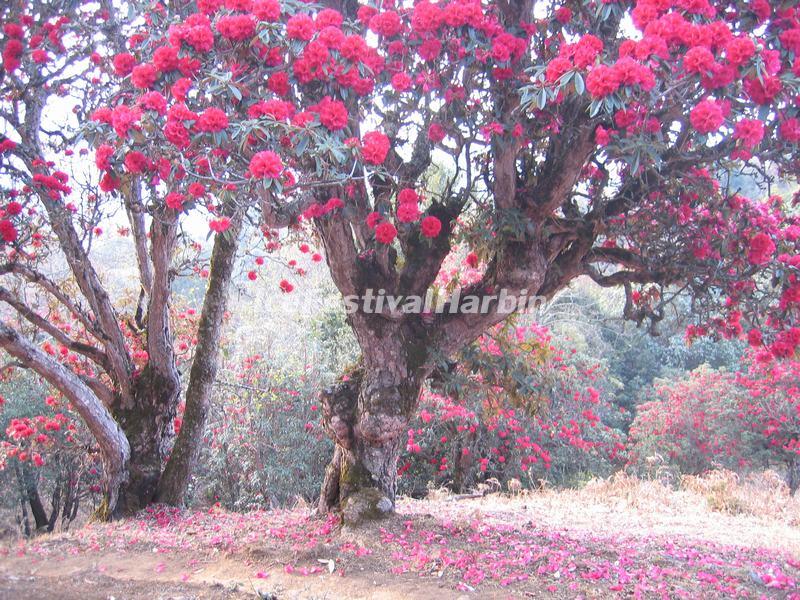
366, 415
361, 485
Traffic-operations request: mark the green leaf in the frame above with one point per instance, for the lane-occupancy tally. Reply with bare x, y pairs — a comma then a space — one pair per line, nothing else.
338, 155
301, 145
580, 86
635, 163
541, 100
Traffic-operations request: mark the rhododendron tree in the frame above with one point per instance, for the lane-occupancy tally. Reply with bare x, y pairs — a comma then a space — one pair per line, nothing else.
553, 141
515, 406
574, 153
691, 424
115, 361
739, 421
770, 409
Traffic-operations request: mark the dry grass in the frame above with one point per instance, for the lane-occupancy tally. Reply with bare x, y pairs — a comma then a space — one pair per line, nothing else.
754, 511
761, 495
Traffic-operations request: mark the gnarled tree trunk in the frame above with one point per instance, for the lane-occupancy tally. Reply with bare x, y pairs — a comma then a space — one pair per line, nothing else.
367, 414
361, 481
147, 421
148, 414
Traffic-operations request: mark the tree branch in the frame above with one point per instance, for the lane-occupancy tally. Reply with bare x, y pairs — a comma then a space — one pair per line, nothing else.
90, 352
56, 291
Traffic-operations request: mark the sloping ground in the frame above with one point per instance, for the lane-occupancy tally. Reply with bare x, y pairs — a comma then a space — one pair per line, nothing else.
551, 544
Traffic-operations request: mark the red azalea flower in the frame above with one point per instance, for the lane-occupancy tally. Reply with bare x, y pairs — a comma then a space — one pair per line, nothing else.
385, 232
375, 147
430, 227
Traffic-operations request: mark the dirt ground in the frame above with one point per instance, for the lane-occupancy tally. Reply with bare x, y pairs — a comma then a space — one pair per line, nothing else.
585, 544
138, 576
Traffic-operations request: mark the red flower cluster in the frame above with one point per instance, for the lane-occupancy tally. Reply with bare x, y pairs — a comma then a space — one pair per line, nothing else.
431, 226
237, 28
154, 101
220, 225
385, 232
124, 63
602, 81
175, 201
790, 130
266, 164
144, 76
196, 190
750, 132
332, 113
739, 50
7, 231
102, 157
762, 249
408, 213
136, 162
195, 31
267, 10
280, 110
407, 206
707, 116
12, 52
436, 133
386, 23
165, 59
375, 147
212, 120
401, 82
300, 27
698, 60
316, 210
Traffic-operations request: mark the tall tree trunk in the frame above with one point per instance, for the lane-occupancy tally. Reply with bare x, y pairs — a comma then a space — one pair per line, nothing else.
29, 494
175, 481
55, 501
147, 416
23, 502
